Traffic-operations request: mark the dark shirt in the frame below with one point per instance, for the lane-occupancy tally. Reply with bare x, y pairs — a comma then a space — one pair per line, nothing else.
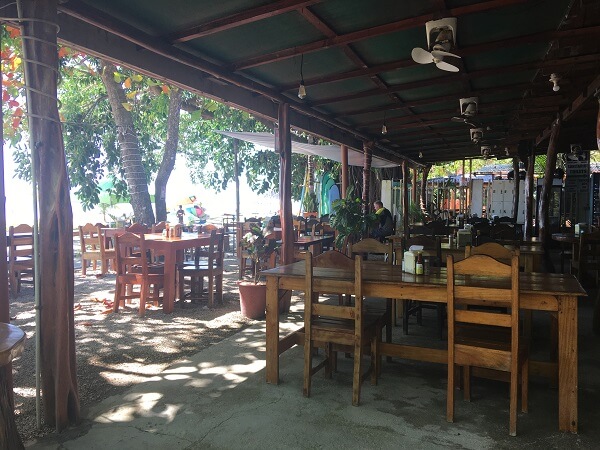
386, 224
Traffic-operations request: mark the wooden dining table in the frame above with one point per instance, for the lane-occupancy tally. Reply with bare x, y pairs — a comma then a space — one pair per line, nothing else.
538, 291
313, 243
172, 248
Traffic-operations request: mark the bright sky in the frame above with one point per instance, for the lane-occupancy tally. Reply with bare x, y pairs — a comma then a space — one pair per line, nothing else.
19, 204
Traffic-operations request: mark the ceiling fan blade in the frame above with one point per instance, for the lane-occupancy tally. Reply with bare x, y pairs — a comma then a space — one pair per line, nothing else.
447, 67
421, 56
457, 119
440, 54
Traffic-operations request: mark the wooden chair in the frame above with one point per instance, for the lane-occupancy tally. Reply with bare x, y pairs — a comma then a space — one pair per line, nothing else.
587, 259
432, 246
370, 247
334, 259
20, 256
94, 248
133, 269
192, 275
137, 228
493, 249
349, 327
159, 227
485, 338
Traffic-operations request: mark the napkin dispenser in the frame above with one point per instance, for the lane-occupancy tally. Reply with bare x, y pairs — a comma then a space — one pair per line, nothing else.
409, 262
463, 238
580, 228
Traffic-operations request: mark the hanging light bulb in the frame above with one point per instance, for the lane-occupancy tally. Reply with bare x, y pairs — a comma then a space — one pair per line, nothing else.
301, 88
421, 155
383, 127
554, 79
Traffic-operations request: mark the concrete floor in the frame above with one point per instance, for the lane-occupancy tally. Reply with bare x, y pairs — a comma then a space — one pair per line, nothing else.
218, 399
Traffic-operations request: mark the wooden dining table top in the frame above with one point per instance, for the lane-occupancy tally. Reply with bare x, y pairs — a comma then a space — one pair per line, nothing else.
532, 282
309, 240
569, 238
12, 342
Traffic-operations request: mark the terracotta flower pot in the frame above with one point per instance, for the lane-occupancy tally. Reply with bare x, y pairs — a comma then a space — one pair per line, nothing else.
253, 299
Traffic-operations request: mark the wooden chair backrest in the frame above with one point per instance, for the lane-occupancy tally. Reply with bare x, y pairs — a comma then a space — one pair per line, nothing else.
130, 250
312, 307
299, 226
368, 246
333, 259
493, 249
209, 227
159, 227
89, 237
137, 228
497, 285
21, 243
589, 251
213, 251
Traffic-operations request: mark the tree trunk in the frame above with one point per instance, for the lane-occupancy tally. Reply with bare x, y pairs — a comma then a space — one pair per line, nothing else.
131, 157
59, 372
168, 161
544, 206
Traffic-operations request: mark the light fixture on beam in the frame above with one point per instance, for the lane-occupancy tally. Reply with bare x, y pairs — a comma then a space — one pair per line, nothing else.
554, 79
383, 127
301, 88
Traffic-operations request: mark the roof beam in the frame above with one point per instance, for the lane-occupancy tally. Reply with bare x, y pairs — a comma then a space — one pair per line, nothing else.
554, 63
239, 19
572, 109
359, 35
465, 51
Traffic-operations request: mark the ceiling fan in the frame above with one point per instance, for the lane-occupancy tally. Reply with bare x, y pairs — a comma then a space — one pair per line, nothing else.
468, 110
441, 37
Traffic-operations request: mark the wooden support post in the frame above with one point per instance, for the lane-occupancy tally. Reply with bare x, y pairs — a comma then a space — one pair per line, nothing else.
405, 218
517, 189
236, 177
426, 170
283, 143
529, 190
344, 151
368, 157
415, 181
543, 211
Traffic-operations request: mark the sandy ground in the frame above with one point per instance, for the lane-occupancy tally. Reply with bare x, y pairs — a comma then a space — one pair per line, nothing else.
115, 351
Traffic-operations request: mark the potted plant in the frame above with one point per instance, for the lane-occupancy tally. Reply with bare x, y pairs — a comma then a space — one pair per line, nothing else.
310, 205
348, 220
259, 248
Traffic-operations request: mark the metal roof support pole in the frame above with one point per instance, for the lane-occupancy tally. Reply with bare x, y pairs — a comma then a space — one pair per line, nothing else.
517, 181
344, 152
405, 198
426, 170
368, 150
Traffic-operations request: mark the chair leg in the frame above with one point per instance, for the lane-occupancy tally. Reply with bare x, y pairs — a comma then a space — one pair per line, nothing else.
358, 353
466, 371
219, 287
514, 386
525, 386
450, 395
211, 291
307, 367
83, 267
405, 308
143, 295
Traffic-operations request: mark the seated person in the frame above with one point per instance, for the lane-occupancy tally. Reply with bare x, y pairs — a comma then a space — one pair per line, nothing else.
385, 225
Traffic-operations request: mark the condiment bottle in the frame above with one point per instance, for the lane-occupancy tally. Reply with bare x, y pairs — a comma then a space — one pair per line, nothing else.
419, 264
167, 229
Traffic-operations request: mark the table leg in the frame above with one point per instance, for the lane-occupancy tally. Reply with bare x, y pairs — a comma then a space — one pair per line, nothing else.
567, 364
272, 357
169, 287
